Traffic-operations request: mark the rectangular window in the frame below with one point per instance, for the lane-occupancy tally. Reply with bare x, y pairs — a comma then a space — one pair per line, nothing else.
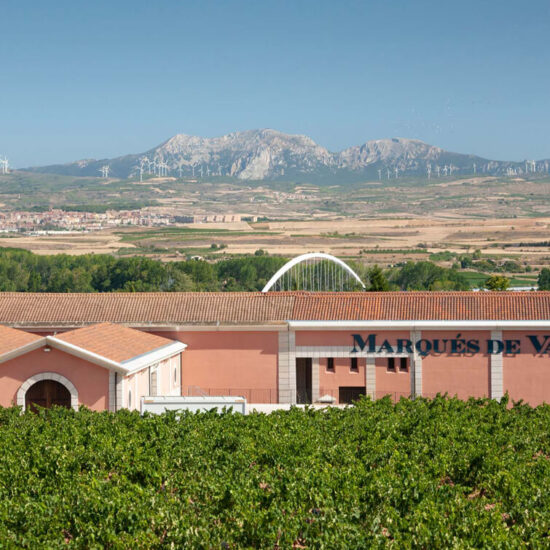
330, 364
403, 365
391, 364
353, 365
153, 380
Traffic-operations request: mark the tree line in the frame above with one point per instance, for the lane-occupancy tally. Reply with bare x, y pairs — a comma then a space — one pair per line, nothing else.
23, 271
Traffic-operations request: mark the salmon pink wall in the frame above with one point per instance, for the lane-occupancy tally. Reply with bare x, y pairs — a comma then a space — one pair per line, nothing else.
91, 381
329, 382
345, 337
230, 361
527, 375
461, 375
395, 384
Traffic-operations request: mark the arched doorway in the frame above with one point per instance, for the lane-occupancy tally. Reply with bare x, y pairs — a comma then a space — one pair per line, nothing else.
44, 395
47, 393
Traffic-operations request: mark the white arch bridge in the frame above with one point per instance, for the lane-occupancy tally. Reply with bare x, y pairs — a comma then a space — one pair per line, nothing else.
315, 271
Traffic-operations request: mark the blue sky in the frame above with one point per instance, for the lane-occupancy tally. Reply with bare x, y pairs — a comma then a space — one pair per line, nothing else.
99, 79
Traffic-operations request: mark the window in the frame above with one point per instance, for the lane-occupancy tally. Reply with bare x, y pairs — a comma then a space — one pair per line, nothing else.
403, 365
153, 381
330, 364
391, 364
176, 375
354, 367
129, 399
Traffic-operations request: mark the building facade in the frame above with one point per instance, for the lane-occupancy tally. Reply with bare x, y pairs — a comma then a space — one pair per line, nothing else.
313, 347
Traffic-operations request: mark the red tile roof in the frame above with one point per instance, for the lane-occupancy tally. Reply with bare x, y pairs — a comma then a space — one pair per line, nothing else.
149, 308
12, 339
423, 306
114, 342
170, 309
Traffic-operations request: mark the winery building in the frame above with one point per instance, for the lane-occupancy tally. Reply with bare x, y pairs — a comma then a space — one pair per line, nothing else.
106, 351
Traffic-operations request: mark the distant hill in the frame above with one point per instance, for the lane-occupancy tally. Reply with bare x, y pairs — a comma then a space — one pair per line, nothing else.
274, 156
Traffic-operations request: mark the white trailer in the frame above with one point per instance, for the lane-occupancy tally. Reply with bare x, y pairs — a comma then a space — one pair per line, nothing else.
162, 403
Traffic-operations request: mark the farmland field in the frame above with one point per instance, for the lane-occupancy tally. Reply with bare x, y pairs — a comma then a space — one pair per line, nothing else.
383, 223
436, 473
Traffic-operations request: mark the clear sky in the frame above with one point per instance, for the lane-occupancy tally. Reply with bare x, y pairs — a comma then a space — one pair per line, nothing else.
83, 79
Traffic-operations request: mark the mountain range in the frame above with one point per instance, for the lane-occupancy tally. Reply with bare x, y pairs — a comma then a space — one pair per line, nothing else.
275, 156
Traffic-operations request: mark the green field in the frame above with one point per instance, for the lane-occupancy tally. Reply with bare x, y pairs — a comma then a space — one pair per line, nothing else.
477, 279
419, 474
182, 233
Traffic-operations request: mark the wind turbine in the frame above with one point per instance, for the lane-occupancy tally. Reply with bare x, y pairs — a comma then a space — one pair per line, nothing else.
379, 174
5, 165
475, 168
438, 170
388, 172
429, 168
445, 170
180, 170
142, 162
396, 172
104, 171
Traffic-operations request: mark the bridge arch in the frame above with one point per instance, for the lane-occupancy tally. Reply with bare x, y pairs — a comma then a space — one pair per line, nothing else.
330, 275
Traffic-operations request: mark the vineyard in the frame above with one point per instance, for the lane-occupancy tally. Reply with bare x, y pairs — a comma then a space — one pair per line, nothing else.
418, 474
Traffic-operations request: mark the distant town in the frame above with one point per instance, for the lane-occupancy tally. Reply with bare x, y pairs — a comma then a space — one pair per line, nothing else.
56, 220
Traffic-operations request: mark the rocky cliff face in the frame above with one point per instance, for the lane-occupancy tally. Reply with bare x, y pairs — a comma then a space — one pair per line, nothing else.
272, 155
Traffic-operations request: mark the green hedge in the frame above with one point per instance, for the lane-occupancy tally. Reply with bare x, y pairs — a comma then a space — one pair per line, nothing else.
420, 474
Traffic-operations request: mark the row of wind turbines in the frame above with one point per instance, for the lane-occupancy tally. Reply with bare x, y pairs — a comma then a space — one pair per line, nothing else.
159, 168
531, 167
447, 170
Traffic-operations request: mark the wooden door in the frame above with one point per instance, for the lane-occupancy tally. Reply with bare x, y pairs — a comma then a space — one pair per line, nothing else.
47, 393
303, 380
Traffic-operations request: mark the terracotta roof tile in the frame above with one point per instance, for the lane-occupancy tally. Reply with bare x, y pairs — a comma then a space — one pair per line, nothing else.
423, 306
114, 342
12, 339
156, 309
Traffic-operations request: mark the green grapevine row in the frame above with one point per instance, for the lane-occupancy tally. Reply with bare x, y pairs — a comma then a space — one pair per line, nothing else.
436, 473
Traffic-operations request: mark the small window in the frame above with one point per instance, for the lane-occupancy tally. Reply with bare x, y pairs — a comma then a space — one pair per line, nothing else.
403, 365
330, 364
129, 399
391, 364
176, 375
354, 367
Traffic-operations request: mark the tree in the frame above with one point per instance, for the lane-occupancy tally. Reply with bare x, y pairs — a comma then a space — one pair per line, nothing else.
428, 276
544, 279
497, 282
378, 281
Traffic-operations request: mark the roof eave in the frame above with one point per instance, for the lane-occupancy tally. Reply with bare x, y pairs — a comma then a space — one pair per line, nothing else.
21, 350
86, 355
150, 358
